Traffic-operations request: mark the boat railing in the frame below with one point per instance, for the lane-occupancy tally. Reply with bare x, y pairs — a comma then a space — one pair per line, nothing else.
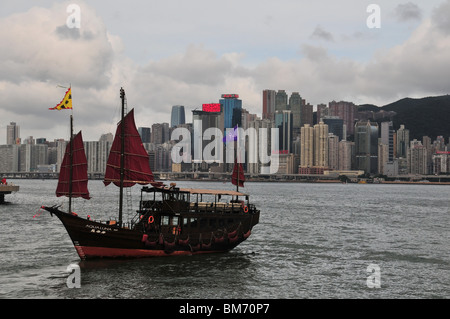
199, 207
218, 207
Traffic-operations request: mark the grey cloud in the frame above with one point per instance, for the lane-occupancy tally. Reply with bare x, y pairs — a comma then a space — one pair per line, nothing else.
408, 12
68, 33
321, 34
441, 17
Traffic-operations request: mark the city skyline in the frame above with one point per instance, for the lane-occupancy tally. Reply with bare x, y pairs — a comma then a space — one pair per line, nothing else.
176, 53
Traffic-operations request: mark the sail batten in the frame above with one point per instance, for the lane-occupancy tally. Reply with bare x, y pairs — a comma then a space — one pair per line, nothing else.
136, 168
79, 178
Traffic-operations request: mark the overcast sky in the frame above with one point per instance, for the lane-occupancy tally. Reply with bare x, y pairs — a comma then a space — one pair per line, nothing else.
180, 52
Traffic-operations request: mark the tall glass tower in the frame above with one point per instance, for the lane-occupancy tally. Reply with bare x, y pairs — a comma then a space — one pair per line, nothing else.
178, 116
231, 105
366, 146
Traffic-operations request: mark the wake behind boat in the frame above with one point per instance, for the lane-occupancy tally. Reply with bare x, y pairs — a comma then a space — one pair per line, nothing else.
170, 220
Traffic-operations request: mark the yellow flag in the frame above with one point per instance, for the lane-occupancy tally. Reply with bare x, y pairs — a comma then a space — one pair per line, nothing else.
66, 103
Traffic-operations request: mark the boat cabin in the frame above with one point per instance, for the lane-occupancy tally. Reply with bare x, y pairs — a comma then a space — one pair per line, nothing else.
173, 210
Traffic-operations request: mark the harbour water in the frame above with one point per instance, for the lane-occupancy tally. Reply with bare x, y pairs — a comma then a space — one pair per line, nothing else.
313, 241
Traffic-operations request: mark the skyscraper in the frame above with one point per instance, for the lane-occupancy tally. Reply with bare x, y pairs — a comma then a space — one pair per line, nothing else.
307, 146
346, 111
12, 134
230, 103
418, 158
333, 151
261, 147
346, 151
402, 142
387, 138
335, 125
268, 104
178, 116
283, 121
322, 110
366, 146
281, 101
295, 104
160, 133
306, 113
145, 134
201, 122
321, 145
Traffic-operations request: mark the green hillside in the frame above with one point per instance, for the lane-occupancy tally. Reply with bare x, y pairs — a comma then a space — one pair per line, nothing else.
427, 116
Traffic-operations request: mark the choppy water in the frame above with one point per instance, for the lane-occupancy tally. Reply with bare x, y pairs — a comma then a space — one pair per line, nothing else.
313, 241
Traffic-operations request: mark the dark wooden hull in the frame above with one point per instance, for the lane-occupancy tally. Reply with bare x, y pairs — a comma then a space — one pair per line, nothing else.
98, 240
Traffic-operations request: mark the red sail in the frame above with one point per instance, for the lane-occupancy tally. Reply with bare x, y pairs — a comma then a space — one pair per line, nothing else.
137, 166
238, 169
79, 171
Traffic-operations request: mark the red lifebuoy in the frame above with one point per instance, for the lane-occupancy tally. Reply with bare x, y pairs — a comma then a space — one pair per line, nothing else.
151, 219
245, 209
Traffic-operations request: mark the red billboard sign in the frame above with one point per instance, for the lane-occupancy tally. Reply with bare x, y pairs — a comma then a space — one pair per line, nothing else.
211, 107
230, 96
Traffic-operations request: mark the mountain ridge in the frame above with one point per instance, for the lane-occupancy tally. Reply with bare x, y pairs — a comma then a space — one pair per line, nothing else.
427, 116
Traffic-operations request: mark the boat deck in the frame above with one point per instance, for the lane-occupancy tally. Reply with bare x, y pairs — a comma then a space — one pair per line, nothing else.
5, 190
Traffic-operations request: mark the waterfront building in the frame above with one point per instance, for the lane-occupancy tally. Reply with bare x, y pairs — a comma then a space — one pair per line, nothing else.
201, 122
268, 104
232, 110
307, 146
283, 121
97, 153
306, 114
281, 101
387, 138
346, 155
160, 133
345, 110
145, 133
12, 134
260, 150
321, 145
441, 162
402, 142
335, 125
322, 111
9, 158
178, 116
417, 158
383, 154
285, 164
366, 146
295, 104
333, 151
426, 142
440, 144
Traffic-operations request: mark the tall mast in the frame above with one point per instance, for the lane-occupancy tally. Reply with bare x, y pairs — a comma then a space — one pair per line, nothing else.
122, 155
70, 163
237, 164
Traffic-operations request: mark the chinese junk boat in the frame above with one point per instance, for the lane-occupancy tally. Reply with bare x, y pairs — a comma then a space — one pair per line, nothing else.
170, 220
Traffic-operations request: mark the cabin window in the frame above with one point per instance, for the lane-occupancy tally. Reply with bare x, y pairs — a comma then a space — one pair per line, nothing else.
193, 222
185, 221
165, 220
174, 221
